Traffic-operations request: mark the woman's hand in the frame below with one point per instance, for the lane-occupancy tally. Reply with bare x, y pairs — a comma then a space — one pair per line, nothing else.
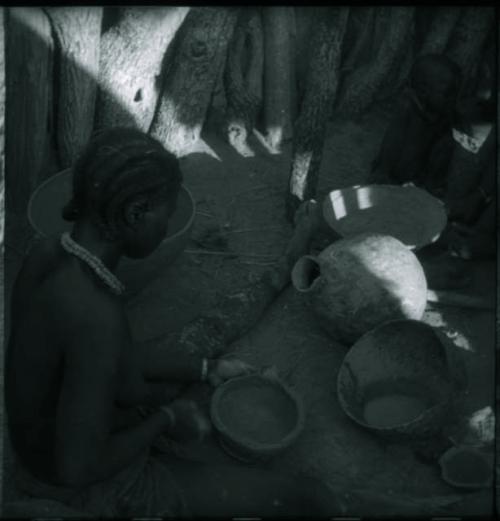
226, 368
188, 422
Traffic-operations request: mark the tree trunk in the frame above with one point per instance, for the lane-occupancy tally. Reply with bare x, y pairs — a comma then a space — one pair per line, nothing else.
294, 89
442, 25
3, 341
244, 91
468, 38
321, 87
359, 88
2, 148
255, 70
277, 76
190, 77
132, 52
77, 33
29, 66
360, 32
305, 27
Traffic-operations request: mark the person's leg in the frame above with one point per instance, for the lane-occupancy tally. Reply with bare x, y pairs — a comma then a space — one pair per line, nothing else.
442, 270
224, 491
477, 241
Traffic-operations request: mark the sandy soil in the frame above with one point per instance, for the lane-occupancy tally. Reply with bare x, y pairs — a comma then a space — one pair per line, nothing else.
244, 197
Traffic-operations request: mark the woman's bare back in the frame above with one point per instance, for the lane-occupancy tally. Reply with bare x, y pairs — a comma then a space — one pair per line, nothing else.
51, 291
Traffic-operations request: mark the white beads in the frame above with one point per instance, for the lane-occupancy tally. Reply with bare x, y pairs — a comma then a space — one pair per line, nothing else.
93, 262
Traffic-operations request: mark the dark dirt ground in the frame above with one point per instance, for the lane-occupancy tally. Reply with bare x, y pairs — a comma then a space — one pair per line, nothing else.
244, 196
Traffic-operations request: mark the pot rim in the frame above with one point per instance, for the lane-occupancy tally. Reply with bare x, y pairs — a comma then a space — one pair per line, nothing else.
399, 426
67, 172
246, 443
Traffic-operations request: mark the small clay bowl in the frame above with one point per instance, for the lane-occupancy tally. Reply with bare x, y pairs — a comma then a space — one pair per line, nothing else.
44, 214
256, 417
466, 468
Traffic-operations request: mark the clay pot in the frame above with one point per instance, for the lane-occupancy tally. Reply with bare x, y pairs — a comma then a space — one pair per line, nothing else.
359, 283
467, 468
256, 416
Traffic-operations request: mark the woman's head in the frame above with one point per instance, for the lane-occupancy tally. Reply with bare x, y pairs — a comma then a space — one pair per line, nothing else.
436, 80
126, 184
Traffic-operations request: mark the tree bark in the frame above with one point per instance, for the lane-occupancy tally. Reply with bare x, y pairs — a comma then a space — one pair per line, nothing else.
131, 58
190, 77
29, 66
360, 32
2, 150
322, 82
277, 76
468, 38
3, 339
255, 70
77, 33
294, 88
442, 25
359, 88
244, 88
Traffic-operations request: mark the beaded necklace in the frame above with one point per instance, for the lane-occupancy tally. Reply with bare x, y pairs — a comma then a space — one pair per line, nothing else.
93, 262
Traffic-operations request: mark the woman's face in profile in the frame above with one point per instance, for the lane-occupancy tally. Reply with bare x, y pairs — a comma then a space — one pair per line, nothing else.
148, 234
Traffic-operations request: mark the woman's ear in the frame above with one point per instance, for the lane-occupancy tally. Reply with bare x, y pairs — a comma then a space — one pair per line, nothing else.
134, 212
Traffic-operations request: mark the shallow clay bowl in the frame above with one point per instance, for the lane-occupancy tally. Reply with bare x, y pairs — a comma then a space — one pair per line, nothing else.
44, 214
396, 382
256, 417
466, 468
407, 213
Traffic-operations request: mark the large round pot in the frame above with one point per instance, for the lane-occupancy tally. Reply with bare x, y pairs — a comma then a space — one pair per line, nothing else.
359, 283
399, 381
44, 214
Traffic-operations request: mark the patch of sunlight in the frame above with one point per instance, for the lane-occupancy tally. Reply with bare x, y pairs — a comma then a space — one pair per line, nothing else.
338, 205
435, 238
459, 340
30, 18
364, 198
483, 422
238, 138
297, 183
476, 430
198, 147
275, 138
265, 142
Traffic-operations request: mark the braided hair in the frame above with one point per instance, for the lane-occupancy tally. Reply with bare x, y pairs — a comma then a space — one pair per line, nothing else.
117, 167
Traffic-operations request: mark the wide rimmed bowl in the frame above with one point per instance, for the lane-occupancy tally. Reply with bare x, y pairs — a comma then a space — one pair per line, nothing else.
407, 213
45, 216
398, 381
